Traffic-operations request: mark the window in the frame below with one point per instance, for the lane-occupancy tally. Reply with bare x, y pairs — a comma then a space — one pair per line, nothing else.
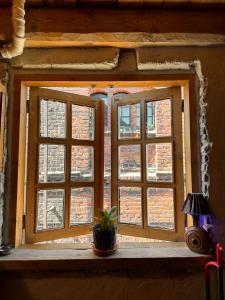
147, 178
66, 188
64, 159
103, 97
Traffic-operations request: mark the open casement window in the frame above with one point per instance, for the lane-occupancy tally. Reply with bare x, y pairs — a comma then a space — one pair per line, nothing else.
147, 164
65, 164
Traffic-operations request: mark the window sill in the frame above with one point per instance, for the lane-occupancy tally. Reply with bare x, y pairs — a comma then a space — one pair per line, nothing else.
148, 257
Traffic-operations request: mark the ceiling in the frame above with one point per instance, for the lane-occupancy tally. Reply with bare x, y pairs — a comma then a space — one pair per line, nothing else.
160, 4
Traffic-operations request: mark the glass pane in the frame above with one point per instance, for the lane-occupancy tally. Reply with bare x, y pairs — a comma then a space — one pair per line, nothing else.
107, 196
129, 121
130, 205
50, 209
103, 97
130, 162
158, 118
160, 208
159, 162
51, 163
52, 119
82, 122
82, 163
82, 206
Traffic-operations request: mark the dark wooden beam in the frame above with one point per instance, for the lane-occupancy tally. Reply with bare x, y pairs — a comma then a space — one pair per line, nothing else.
90, 21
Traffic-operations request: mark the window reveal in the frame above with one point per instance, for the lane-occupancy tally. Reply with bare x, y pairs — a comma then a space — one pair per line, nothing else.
138, 122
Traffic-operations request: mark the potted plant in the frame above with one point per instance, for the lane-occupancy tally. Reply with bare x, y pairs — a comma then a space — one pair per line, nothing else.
104, 233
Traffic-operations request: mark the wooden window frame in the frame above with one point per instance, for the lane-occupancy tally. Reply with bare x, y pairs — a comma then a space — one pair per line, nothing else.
175, 139
2, 124
17, 126
34, 139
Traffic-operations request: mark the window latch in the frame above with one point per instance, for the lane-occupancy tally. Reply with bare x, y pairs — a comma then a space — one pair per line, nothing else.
182, 105
24, 221
28, 106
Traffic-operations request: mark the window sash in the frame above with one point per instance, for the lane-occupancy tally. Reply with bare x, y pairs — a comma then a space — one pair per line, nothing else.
32, 235
173, 93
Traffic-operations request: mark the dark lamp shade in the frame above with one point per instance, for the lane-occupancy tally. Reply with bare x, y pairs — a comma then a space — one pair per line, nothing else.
196, 205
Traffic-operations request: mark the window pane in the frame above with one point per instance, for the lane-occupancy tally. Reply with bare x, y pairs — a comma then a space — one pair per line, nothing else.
159, 118
129, 121
130, 162
103, 97
82, 122
51, 163
82, 163
50, 209
82, 206
107, 196
52, 119
130, 205
159, 162
161, 208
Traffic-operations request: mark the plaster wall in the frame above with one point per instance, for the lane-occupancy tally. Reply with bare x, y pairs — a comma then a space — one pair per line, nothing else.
212, 60
111, 286
167, 286
3, 80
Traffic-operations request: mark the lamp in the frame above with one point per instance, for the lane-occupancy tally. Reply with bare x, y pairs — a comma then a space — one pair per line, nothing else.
197, 238
196, 205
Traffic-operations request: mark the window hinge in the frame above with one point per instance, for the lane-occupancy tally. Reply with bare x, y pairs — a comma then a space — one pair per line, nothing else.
24, 221
182, 105
28, 106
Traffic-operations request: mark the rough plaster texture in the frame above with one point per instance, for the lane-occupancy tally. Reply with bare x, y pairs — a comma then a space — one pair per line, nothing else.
114, 286
68, 58
175, 286
213, 69
195, 65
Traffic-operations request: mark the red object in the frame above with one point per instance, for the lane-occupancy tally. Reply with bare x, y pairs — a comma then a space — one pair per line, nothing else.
218, 265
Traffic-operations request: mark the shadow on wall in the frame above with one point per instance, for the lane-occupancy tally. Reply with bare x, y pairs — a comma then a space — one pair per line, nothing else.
106, 286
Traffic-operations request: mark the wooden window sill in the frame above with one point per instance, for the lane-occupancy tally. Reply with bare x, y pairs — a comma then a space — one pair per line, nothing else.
147, 257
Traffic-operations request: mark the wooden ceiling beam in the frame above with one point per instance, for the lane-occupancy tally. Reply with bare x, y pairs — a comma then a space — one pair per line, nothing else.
151, 21
123, 21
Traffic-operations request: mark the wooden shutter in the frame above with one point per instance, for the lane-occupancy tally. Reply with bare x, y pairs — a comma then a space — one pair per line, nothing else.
147, 165
58, 176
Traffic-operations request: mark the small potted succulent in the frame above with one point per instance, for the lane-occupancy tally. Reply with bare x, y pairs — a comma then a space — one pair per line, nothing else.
104, 233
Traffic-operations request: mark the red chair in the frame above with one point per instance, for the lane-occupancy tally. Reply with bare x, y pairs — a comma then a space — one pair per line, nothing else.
218, 265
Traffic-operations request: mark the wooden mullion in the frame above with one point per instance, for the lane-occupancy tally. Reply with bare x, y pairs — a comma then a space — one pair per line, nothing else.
129, 183
77, 184
178, 161
114, 155
83, 143
157, 140
101, 143
98, 160
32, 163
50, 185
144, 165
160, 184
52, 141
68, 165
125, 142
